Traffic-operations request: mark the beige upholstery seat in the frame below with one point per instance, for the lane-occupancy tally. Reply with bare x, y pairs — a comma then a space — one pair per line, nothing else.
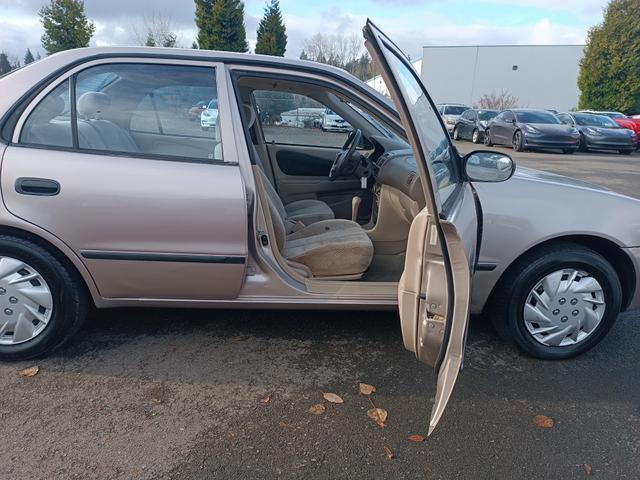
305, 211
327, 248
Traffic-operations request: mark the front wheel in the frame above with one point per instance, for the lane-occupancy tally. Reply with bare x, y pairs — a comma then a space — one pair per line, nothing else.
626, 152
456, 134
557, 303
487, 138
42, 302
518, 141
568, 151
475, 137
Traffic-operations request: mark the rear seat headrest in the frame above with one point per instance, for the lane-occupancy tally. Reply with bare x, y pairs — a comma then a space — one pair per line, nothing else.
93, 104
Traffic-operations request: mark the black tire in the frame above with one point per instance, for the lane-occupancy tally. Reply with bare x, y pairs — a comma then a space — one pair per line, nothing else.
487, 138
456, 134
568, 151
475, 136
510, 295
70, 299
518, 141
583, 143
626, 152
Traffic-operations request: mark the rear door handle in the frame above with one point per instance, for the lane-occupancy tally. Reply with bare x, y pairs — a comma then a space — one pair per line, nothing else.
37, 186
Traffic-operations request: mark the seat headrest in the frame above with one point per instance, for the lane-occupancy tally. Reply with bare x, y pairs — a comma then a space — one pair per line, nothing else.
250, 114
93, 104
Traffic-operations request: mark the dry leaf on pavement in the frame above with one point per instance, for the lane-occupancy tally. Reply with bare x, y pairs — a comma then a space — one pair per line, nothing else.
587, 469
29, 372
332, 397
366, 389
543, 421
388, 452
317, 409
266, 400
416, 438
378, 415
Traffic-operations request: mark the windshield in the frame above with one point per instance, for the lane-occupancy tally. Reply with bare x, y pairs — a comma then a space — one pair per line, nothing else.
487, 114
612, 114
455, 110
433, 138
531, 116
586, 120
374, 121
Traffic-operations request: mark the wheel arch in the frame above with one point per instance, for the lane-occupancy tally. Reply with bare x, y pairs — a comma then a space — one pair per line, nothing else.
611, 251
58, 253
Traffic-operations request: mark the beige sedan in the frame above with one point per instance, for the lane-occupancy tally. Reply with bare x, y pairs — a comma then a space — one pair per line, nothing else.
112, 197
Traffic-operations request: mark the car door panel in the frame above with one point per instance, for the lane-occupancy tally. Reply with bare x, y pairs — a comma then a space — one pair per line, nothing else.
144, 228
434, 291
174, 144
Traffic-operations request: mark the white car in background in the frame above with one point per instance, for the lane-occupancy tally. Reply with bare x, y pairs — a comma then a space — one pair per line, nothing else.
209, 116
332, 122
450, 113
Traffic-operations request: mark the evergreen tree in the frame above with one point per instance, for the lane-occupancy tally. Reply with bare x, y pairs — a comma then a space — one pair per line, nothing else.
194, 45
150, 42
272, 34
28, 57
221, 25
5, 66
610, 69
65, 25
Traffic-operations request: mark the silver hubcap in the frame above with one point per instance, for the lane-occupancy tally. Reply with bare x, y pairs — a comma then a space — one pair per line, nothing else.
564, 308
475, 136
26, 302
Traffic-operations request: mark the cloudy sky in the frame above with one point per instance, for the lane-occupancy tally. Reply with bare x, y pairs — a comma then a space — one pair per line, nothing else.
412, 23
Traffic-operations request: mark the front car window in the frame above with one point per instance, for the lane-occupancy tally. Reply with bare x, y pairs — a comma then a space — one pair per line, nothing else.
530, 116
433, 138
454, 110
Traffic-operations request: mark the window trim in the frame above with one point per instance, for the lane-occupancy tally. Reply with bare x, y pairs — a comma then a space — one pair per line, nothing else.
71, 74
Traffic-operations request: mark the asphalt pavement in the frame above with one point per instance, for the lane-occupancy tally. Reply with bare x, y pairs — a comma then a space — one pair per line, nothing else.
175, 394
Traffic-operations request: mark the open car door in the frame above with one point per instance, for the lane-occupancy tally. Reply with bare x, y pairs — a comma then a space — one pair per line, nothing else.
434, 291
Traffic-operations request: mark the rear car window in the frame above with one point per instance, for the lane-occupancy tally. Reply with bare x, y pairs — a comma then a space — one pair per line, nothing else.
50, 122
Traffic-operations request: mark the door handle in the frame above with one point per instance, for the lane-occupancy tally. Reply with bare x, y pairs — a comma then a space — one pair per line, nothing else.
37, 186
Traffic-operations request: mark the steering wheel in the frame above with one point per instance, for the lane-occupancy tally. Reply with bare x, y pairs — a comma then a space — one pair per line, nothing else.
343, 164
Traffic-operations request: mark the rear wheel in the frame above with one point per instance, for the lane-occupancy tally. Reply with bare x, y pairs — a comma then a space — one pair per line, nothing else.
518, 141
626, 152
42, 302
456, 133
558, 302
475, 137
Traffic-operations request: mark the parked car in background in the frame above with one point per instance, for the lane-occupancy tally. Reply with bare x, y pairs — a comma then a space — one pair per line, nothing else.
450, 112
598, 132
196, 110
209, 116
332, 122
472, 124
621, 119
524, 128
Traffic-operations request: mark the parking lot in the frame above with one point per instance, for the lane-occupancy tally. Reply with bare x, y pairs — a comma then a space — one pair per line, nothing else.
175, 394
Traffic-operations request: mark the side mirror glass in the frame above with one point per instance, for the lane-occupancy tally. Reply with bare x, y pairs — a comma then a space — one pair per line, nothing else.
488, 166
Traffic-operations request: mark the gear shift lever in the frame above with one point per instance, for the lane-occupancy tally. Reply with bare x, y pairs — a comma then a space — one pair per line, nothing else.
355, 206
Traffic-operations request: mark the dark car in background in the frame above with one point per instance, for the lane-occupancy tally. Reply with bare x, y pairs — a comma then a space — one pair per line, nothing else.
621, 119
524, 128
472, 124
598, 132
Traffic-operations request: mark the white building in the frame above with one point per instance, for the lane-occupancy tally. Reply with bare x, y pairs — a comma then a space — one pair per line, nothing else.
539, 76
377, 82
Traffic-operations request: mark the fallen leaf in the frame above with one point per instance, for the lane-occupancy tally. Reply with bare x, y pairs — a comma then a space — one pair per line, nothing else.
587, 469
388, 452
366, 389
416, 438
543, 421
378, 415
29, 372
317, 409
265, 400
332, 397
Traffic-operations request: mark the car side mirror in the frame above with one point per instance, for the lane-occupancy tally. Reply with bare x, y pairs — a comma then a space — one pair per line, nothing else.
513, 121
488, 166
